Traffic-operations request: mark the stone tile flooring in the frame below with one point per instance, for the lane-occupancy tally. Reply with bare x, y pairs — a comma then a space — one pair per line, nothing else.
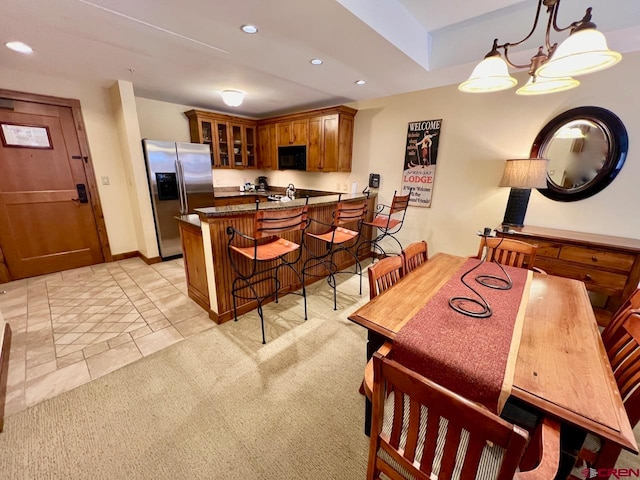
74, 326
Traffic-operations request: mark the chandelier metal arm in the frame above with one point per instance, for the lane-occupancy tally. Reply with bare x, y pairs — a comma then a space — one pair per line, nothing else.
585, 21
505, 46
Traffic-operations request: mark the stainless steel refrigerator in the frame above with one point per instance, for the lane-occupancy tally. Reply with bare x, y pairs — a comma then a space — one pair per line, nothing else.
180, 180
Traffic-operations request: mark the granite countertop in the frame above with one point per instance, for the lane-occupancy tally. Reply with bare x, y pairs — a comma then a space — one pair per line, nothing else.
192, 218
327, 199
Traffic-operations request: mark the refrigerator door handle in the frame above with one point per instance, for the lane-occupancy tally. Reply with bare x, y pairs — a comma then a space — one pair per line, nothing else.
180, 186
184, 189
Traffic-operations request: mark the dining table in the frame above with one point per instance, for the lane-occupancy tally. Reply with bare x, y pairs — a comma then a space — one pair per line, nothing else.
561, 367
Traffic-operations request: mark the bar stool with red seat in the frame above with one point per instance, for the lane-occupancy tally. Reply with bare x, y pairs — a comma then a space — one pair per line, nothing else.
260, 258
336, 238
388, 220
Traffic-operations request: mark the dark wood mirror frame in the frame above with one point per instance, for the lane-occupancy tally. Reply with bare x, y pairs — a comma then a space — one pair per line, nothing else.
616, 136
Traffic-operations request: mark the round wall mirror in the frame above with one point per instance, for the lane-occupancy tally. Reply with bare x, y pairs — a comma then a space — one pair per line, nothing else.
586, 148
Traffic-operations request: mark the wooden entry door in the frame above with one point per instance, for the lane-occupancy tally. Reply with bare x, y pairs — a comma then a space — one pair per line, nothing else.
47, 222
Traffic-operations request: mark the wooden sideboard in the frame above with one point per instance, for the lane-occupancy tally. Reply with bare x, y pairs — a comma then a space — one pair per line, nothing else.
609, 266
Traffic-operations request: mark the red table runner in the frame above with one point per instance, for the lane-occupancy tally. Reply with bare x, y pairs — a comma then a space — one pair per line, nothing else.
464, 354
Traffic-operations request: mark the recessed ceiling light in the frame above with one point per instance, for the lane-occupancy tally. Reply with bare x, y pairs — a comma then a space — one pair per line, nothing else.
249, 28
19, 47
316, 61
360, 82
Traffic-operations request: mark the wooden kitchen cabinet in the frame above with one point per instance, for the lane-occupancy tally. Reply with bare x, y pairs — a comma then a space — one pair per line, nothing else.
609, 266
330, 143
267, 147
243, 143
292, 132
232, 139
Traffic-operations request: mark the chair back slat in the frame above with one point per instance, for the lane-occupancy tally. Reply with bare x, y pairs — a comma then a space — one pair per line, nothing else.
508, 252
452, 434
472, 459
399, 204
451, 445
273, 222
348, 212
384, 274
415, 255
415, 412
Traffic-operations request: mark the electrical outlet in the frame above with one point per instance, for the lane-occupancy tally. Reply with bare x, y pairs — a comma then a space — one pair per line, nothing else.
344, 187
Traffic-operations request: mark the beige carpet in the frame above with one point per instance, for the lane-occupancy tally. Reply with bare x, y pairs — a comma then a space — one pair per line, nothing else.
219, 405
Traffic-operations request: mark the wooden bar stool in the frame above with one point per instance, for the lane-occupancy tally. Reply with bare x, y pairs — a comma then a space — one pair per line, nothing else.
258, 259
336, 238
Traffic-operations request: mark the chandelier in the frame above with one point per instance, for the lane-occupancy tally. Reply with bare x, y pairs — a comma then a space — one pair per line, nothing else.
552, 68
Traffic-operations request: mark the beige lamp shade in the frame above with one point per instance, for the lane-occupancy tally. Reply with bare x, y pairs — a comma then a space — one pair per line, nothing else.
525, 173
585, 51
490, 75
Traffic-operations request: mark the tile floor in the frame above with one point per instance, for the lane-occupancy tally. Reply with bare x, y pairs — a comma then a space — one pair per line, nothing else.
74, 326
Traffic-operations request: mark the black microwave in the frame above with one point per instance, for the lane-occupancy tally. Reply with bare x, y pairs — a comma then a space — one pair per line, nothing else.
292, 158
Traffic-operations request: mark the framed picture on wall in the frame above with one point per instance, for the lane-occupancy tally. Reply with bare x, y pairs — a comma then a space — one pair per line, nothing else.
421, 152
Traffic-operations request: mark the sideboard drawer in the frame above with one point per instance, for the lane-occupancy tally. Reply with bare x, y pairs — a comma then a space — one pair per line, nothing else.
596, 280
597, 258
546, 249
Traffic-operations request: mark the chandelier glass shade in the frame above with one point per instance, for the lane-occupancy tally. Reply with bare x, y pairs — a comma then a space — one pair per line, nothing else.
540, 85
585, 51
551, 68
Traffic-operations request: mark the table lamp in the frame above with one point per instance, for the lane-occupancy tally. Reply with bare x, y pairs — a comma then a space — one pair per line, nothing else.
522, 174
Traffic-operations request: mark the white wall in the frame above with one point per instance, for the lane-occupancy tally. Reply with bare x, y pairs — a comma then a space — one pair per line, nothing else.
478, 133
103, 145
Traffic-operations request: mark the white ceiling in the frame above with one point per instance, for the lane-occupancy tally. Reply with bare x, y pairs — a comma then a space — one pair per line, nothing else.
187, 51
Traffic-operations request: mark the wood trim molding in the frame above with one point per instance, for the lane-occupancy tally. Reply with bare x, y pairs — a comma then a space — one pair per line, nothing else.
150, 261
134, 254
5, 346
78, 120
4, 270
125, 255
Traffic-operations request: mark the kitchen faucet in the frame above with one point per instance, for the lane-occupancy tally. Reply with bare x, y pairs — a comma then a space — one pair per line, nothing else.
291, 191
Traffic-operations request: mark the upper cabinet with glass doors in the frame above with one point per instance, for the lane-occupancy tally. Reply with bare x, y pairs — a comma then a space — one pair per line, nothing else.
232, 139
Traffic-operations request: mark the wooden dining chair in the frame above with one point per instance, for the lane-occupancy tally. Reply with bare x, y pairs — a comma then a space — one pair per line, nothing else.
632, 303
423, 431
624, 355
506, 251
415, 255
384, 274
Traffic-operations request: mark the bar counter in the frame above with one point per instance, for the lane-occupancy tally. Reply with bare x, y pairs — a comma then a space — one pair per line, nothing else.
204, 245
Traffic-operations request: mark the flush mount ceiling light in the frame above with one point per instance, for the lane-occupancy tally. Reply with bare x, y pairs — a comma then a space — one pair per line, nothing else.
250, 29
585, 51
316, 61
233, 98
360, 82
19, 47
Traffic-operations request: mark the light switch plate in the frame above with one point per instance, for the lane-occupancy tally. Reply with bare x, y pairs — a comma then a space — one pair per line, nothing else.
105, 180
